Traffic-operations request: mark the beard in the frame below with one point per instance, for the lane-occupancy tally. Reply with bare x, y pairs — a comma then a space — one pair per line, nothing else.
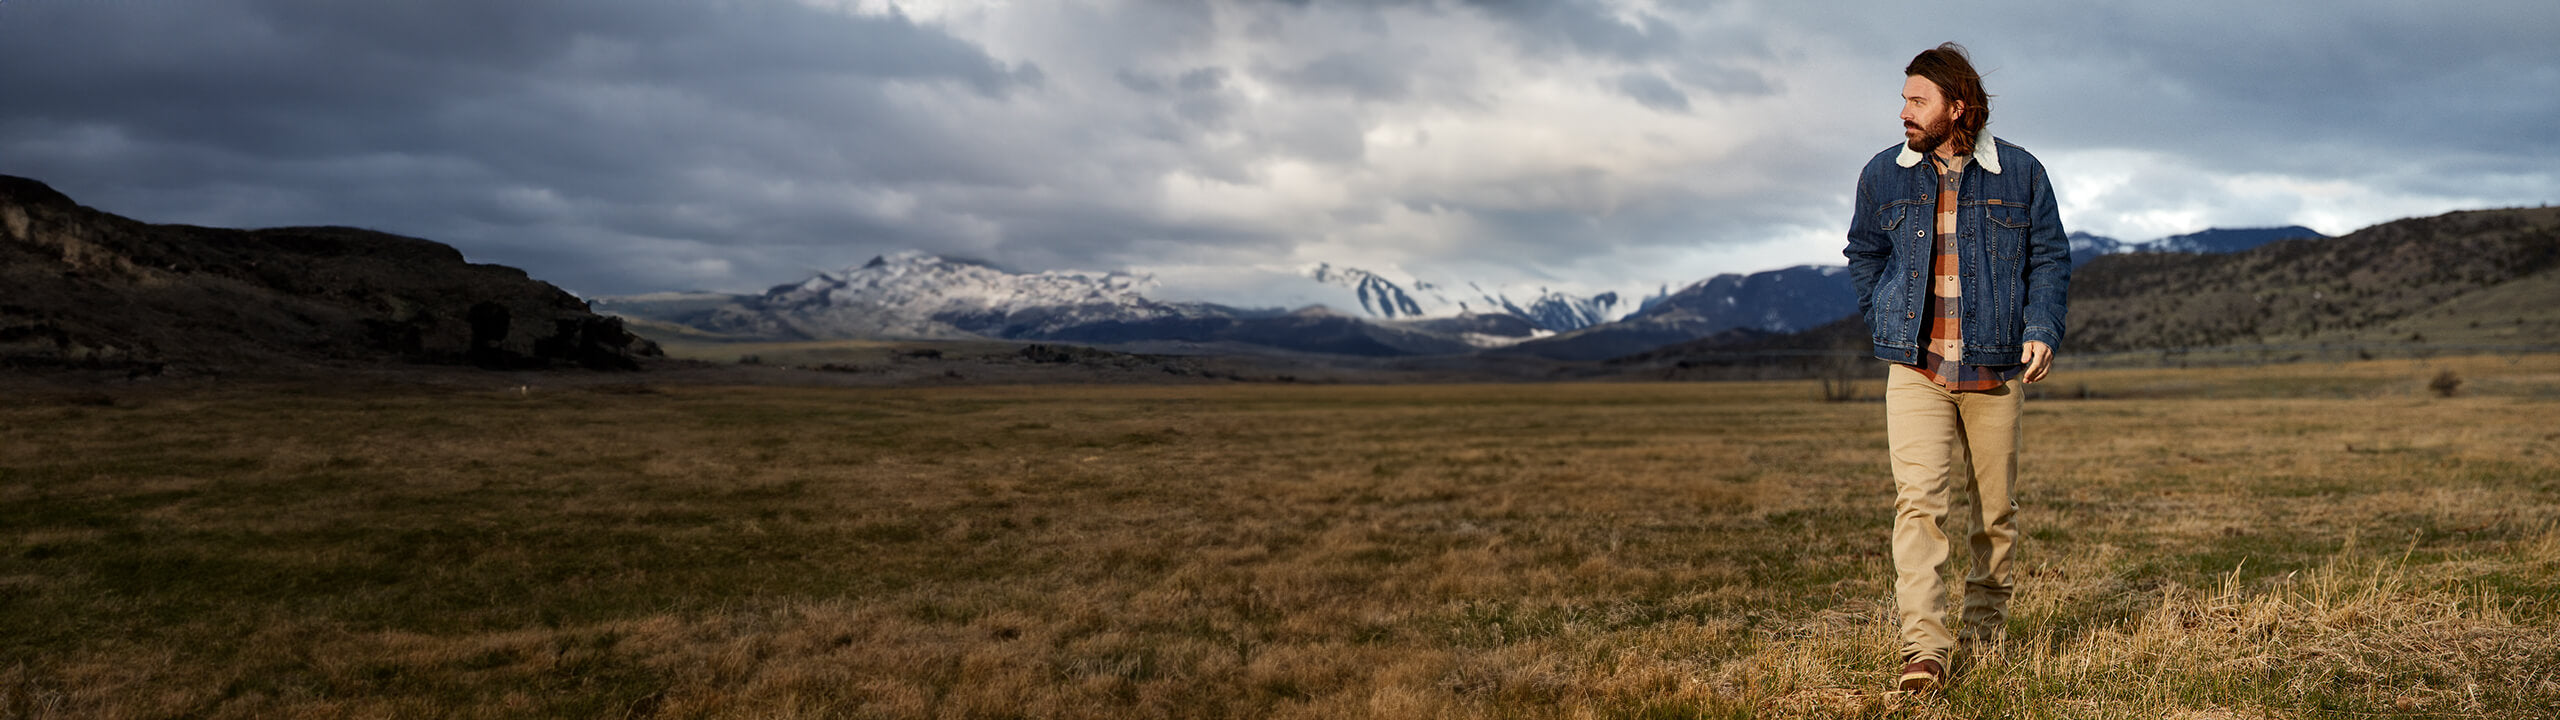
1930, 136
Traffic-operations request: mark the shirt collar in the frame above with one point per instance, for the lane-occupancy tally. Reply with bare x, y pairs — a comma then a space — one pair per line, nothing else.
1989, 160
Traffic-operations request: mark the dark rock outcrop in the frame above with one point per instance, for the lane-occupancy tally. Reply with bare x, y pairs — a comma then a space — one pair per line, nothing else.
84, 288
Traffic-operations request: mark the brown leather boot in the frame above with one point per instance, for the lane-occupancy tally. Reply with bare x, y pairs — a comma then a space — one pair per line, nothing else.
1923, 676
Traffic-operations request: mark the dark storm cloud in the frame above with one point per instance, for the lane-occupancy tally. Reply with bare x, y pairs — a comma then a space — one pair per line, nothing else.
2351, 113
1652, 91
1726, 79
271, 76
1369, 75
1584, 26
2254, 88
442, 119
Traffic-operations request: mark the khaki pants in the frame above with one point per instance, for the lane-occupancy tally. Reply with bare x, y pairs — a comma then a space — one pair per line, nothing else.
1932, 434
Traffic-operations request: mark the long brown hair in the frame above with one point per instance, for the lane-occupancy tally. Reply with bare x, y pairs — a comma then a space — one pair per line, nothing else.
1951, 69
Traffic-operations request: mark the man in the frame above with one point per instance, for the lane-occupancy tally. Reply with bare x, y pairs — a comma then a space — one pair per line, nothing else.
1961, 267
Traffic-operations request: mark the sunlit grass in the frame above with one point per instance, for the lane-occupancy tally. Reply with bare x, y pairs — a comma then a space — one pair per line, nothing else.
2213, 543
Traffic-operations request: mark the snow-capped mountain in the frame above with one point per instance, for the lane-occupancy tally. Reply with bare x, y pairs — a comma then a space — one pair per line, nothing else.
2222, 240
1381, 297
1387, 298
913, 294
1776, 301
919, 296
1560, 311
924, 283
1780, 301
1807, 296
2085, 247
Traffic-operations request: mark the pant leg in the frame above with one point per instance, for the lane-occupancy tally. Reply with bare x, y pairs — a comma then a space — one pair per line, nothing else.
1925, 437
1991, 435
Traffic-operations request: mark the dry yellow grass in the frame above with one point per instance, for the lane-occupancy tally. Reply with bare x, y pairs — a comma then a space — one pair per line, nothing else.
2303, 541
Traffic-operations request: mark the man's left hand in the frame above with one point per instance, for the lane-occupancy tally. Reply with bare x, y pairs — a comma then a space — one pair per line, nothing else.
2039, 359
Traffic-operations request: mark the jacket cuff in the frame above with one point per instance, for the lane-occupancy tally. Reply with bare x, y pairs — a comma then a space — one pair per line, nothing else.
2046, 335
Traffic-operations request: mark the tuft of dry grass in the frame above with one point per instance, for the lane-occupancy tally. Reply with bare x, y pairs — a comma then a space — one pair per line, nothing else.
2238, 548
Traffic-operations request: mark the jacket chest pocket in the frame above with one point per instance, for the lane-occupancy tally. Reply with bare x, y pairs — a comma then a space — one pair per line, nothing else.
1897, 221
2006, 224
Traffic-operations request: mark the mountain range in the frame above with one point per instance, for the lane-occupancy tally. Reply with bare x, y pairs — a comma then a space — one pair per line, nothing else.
914, 295
918, 296
83, 288
2086, 247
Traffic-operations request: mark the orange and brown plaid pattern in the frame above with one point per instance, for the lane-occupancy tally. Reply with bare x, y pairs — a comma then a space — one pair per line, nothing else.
1942, 351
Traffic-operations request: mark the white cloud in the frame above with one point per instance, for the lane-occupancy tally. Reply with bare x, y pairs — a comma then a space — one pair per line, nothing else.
2143, 195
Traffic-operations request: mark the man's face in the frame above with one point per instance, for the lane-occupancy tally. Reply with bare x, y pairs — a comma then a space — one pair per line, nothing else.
1927, 118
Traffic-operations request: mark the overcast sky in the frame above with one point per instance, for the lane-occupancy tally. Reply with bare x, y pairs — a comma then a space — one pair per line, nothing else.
620, 146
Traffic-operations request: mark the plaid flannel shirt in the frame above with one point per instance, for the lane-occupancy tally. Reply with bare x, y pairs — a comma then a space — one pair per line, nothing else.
1942, 351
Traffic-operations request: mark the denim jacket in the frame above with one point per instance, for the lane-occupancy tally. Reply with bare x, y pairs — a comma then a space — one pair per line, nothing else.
2015, 259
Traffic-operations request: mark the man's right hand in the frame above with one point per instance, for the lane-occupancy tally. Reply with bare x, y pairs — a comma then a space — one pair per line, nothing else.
2039, 359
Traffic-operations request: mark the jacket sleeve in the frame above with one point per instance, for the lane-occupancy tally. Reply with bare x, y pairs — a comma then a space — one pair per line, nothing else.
2048, 268
1869, 251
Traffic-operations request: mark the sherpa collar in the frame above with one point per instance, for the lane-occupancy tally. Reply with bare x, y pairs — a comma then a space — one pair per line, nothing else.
1988, 160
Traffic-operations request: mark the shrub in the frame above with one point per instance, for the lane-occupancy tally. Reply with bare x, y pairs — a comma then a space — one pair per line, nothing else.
2446, 383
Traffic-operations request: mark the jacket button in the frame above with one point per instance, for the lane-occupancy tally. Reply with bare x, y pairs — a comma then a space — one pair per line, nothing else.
1910, 315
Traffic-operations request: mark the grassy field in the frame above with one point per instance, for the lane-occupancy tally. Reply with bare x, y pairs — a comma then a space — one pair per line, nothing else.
2321, 540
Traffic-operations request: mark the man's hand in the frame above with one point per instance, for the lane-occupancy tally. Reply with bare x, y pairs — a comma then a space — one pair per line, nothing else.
2039, 359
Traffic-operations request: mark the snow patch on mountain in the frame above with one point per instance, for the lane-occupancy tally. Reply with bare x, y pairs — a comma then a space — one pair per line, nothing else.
1396, 295
924, 284
2086, 247
915, 294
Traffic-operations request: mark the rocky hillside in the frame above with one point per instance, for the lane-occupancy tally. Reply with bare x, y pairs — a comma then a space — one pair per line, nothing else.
2305, 288
84, 288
